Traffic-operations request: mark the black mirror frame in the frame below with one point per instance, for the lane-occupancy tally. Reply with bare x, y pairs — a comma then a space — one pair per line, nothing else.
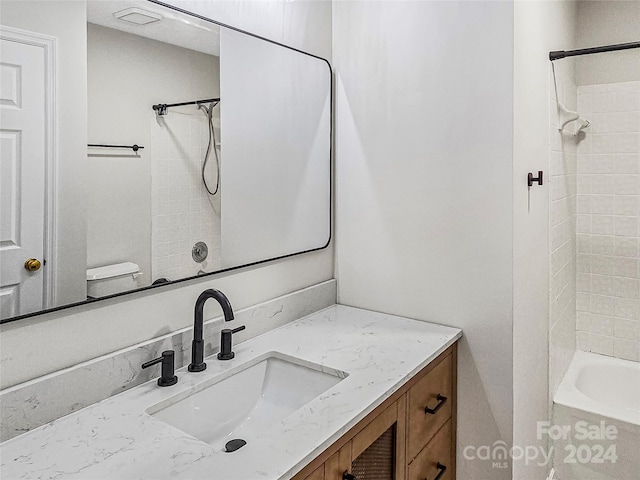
226, 270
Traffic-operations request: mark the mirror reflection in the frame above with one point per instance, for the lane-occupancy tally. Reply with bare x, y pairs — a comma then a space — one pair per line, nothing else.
138, 60
206, 149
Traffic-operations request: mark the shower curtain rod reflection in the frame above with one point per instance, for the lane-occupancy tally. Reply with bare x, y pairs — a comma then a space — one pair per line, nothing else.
558, 54
161, 108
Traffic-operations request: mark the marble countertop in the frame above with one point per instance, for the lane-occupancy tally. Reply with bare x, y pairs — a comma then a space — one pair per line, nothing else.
115, 438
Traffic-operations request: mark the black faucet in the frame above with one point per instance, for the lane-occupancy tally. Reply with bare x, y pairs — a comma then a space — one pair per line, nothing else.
197, 345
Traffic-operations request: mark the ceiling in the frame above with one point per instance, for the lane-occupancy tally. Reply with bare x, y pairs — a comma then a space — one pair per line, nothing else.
175, 28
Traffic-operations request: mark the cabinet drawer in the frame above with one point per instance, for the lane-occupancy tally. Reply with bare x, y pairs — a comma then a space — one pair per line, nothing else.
435, 459
429, 406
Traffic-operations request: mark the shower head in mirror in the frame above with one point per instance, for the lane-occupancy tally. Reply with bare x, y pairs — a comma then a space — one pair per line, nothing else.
212, 103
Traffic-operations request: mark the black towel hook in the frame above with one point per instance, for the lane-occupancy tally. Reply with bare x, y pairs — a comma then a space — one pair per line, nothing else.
531, 178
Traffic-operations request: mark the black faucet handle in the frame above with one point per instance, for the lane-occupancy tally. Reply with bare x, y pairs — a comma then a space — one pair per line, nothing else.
167, 377
225, 343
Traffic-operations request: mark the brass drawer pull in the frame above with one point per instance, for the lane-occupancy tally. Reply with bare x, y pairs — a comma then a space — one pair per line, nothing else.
442, 469
441, 401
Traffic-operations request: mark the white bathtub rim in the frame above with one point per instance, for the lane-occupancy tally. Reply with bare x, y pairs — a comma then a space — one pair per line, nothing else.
568, 394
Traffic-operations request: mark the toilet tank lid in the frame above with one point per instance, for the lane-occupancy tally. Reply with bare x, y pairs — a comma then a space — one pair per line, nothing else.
110, 271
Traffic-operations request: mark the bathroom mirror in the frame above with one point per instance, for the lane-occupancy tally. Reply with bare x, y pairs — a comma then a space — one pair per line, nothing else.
167, 146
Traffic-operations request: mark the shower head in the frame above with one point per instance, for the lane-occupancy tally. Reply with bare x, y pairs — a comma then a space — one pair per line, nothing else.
566, 116
212, 103
582, 124
208, 110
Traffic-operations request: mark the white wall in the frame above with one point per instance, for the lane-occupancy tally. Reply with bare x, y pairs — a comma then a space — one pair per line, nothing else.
281, 101
530, 232
66, 21
607, 23
71, 336
424, 186
539, 27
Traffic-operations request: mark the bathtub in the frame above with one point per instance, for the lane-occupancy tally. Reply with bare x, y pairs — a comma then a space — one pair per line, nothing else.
596, 413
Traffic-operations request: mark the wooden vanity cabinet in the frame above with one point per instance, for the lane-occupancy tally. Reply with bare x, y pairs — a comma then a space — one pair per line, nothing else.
411, 436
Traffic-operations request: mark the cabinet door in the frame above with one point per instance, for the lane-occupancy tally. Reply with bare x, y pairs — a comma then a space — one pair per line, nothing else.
377, 451
377, 461
338, 463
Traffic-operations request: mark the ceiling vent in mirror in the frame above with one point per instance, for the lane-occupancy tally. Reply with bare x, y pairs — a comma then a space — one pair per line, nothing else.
137, 16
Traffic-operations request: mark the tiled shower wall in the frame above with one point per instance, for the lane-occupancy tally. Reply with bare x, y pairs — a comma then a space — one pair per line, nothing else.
183, 213
562, 268
608, 216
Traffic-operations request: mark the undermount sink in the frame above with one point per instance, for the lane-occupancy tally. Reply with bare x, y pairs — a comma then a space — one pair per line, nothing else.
254, 397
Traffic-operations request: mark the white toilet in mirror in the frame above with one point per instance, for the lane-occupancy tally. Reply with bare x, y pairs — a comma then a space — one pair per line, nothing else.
112, 279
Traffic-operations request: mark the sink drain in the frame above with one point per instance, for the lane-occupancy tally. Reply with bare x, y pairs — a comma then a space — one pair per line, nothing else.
235, 444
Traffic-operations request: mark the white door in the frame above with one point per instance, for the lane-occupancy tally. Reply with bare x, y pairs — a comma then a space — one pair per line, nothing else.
22, 176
